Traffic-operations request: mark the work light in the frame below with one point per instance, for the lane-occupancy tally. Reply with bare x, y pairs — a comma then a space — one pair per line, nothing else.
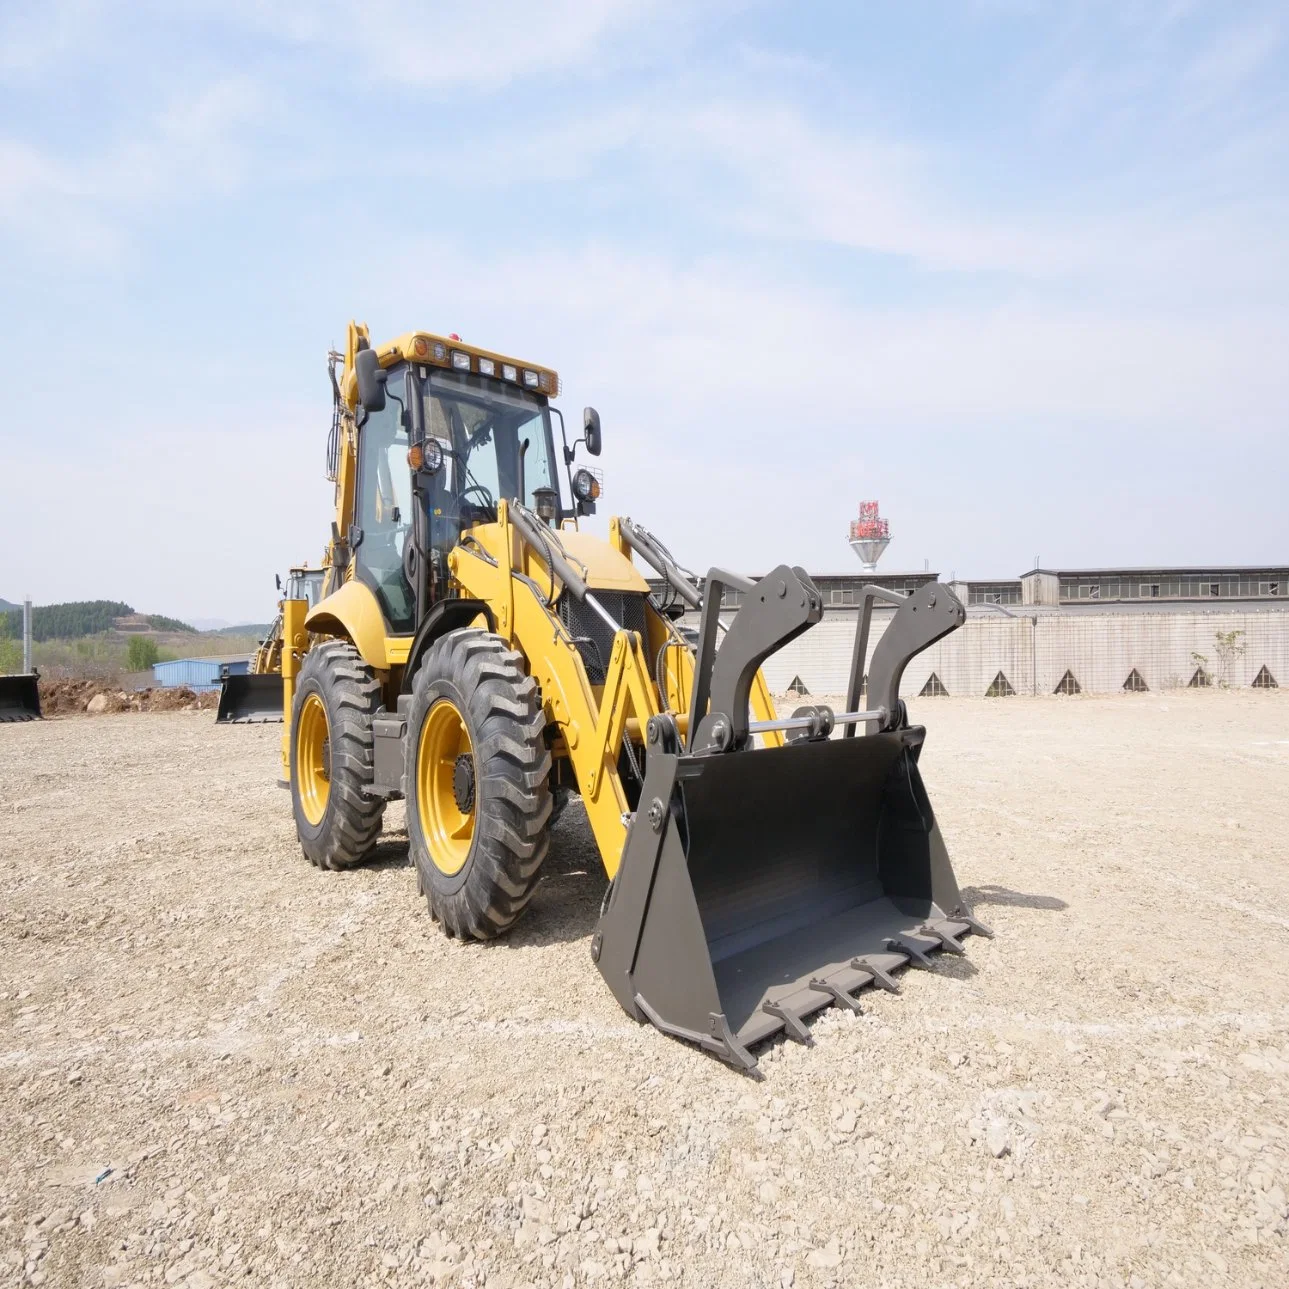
545, 503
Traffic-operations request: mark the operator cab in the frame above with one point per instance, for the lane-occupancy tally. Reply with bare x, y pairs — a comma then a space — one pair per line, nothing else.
444, 432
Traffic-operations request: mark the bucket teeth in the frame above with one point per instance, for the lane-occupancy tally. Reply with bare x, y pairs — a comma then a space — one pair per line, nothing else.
947, 942
974, 924
727, 1047
838, 994
881, 978
792, 1023
907, 945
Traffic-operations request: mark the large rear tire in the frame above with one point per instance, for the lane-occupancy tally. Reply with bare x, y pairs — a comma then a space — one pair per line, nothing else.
332, 754
476, 782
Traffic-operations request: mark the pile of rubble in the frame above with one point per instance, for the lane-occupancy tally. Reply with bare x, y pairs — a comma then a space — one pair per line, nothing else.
74, 697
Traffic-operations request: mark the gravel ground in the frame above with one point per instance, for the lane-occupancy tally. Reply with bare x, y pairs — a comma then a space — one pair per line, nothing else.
218, 1064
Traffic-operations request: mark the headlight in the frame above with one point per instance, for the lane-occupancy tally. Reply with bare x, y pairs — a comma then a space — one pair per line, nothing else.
509, 372
487, 367
461, 361
530, 378
426, 457
586, 487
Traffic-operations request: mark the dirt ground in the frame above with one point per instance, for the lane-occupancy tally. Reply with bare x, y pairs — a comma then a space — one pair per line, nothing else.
220, 1065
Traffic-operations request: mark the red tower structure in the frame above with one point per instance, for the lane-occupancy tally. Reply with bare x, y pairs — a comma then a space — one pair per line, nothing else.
870, 535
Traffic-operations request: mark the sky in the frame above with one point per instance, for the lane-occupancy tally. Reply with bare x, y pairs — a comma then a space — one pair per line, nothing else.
1018, 270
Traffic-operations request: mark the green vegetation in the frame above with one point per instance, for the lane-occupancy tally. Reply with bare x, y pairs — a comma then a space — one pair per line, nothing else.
1228, 647
141, 653
159, 622
257, 629
68, 621
82, 618
10, 650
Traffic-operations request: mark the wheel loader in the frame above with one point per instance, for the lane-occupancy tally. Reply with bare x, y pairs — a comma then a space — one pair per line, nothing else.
255, 697
480, 656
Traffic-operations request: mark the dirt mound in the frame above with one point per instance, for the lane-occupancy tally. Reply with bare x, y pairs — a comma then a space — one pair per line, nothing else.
76, 697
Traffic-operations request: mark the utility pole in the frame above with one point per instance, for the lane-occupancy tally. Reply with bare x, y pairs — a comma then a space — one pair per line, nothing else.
26, 635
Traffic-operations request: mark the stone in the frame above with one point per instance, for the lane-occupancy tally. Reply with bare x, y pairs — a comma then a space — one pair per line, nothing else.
97, 704
996, 1139
825, 1258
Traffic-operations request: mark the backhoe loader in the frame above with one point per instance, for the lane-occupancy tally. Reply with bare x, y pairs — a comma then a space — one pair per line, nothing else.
479, 655
255, 697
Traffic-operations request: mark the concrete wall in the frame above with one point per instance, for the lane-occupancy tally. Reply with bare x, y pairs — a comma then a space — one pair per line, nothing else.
1100, 649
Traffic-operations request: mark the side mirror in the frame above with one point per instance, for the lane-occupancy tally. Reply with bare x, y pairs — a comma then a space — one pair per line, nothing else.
591, 430
371, 380
277, 580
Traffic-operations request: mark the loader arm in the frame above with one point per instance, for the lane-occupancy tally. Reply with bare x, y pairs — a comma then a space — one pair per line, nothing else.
499, 565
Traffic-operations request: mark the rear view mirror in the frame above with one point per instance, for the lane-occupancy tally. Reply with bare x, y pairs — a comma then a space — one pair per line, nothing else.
591, 430
371, 380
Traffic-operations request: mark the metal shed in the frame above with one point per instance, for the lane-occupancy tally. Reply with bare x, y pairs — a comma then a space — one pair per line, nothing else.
198, 673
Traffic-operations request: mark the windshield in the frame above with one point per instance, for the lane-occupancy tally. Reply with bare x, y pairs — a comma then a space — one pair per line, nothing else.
482, 425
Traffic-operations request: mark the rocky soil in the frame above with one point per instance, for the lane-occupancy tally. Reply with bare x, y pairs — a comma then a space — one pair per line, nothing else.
76, 697
219, 1065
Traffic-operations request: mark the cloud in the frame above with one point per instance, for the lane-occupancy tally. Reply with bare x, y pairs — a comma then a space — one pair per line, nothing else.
1234, 57
195, 144
484, 46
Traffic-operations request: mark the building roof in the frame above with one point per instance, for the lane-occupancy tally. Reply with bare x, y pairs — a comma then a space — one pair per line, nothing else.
219, 658
1201, 570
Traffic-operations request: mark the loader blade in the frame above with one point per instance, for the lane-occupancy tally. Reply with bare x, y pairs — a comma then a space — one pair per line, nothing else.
778, 881
250, 700
19, 698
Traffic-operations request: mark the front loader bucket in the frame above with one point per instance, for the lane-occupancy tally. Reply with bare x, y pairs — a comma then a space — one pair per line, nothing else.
20, 698
758, 885
782, 880
250, 700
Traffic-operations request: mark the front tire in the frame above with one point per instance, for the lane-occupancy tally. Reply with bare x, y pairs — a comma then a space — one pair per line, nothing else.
476, 783
332, 756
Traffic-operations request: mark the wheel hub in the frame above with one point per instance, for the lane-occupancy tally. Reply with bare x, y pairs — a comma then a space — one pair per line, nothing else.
463, 783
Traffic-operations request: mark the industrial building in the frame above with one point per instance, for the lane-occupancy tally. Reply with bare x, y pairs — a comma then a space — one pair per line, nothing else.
1064, 631
1055, 630
199, 673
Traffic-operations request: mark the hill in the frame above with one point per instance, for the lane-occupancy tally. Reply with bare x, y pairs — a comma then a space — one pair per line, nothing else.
80, 618
245, 629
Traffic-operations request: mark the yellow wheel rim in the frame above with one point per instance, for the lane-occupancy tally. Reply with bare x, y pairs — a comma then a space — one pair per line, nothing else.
446, 784
313, 759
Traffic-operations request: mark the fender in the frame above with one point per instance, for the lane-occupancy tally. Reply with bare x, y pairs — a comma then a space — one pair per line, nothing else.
354, 611
445, 616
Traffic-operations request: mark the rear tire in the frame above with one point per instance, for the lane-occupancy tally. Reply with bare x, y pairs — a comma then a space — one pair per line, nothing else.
476, 783
332, 755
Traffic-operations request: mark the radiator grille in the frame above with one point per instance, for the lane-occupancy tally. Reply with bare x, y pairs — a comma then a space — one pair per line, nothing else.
593, 635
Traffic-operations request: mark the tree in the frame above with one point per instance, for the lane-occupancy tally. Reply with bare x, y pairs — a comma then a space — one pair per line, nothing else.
142, 653
1228, 648
10, 650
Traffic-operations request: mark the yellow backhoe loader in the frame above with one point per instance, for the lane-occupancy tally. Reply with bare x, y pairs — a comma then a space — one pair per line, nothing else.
255, 697
479, 655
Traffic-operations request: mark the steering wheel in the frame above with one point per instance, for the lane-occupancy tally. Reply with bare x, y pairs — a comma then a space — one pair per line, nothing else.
488, 505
